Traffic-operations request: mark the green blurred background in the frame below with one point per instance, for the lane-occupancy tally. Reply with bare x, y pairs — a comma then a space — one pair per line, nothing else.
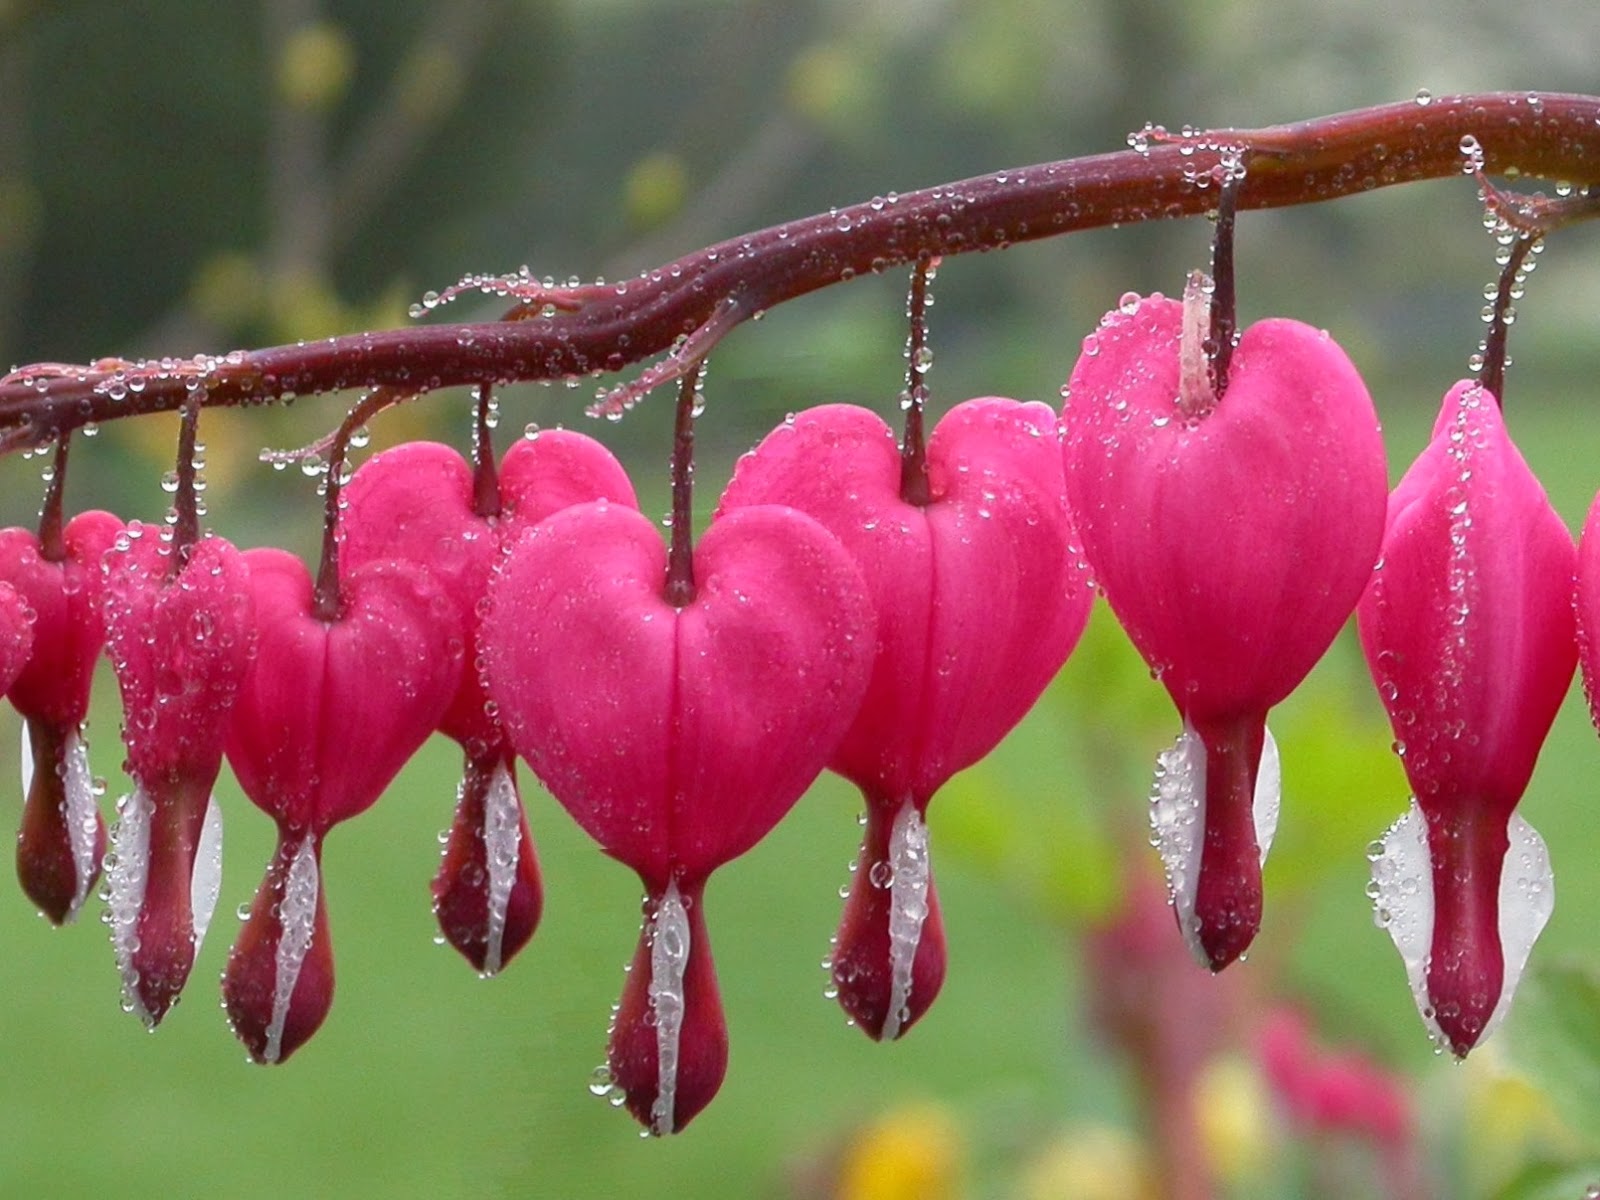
178, 176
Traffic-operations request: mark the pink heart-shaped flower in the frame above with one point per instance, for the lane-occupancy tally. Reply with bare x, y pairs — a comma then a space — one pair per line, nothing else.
63, 836
419, 502
1232, 536
181, 636
1470, 635
677, 737
980, 595
328, 714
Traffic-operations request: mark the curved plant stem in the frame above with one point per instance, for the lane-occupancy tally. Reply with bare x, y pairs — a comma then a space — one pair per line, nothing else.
592, 329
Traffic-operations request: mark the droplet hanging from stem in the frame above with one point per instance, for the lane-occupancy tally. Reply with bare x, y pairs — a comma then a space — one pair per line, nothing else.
913, 450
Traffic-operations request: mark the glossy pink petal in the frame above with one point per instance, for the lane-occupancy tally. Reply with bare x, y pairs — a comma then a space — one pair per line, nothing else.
1469, 632
63, 836
676, 737
416, 502
328, 714
16, 635
180, 644
1232, 538
980, 596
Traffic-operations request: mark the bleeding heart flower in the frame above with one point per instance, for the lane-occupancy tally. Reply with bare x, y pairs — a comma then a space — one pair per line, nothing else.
1469, 632
419, 502
1232, 535
980, 595
328, 714
63, 837
677, 737
181, 636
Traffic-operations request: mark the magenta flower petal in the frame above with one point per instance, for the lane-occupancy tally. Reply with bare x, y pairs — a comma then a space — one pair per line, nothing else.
180, 644
63, 837
16, 635
677, 737
1469, 632
980, 596
328, 714
1232, 536
416, 502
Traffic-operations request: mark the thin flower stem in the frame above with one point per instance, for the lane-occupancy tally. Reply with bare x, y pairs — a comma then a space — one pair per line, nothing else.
52, 542
1224, 295
1493, 377
680, 589
485, 471
913, 450
703, 294
327, 600
186, 529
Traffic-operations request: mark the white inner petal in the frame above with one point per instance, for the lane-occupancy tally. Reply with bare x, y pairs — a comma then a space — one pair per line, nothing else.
1402, 903
1178, 817
297, 916
83, 820
502, 843
669, 959
908, 909
26, 759
127, 873
205, 885
1527, 898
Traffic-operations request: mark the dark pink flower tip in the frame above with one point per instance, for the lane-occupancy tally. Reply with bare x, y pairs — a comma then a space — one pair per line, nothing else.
1469, 632
1232, 535
676, 737
331, 710
668, 1049
888, 958
416, 502
488, 894
278, 984
980, 594
62, 837
180, 643
16, 635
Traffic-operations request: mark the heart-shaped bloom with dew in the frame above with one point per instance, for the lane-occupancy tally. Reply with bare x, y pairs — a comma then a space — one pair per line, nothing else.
63, 837
423, 503
677, 737
1469, 633
1232, 535
329, 712
980, 594
181, 634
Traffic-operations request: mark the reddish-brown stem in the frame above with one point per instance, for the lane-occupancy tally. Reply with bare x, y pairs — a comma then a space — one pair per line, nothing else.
1494, 346
914, 451
680, 555
1224, 296
52, 544
186, 529
1525, 134
485, 471
327, 600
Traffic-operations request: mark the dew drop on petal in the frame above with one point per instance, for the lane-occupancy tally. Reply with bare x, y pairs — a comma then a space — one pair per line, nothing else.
908, 909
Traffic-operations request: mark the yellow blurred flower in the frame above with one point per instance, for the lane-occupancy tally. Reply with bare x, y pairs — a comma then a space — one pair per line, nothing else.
1093, 1162
915, 1152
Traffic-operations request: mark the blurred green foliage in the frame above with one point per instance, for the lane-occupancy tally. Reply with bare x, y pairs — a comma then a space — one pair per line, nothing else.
180, 176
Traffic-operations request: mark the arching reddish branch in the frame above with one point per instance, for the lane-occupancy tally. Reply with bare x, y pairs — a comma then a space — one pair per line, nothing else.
688, 304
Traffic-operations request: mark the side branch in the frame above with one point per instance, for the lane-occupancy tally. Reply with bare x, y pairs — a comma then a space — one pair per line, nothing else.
566, 333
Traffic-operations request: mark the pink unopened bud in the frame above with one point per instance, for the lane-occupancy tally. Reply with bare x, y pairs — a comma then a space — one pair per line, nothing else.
980, 594
328, 714
63, 837
420, 503
1469, 632
181, 636
676, 736
1232, 535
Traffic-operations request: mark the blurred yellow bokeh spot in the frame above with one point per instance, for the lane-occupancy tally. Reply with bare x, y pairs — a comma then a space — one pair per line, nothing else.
916, 1152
